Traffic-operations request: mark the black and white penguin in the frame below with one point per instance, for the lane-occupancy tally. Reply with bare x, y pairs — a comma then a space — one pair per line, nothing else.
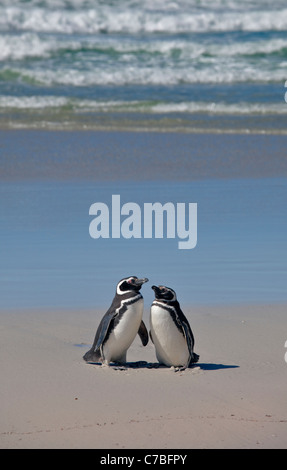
120, 325
170, 331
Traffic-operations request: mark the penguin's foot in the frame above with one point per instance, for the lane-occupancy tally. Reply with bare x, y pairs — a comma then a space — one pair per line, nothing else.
177, 368
105, 363
119, 366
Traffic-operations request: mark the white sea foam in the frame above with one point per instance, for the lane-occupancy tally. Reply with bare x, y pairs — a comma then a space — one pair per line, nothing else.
78, 105
218, 72
129, 49
60, 30
32, 102
136, 17
220, 108
17, 47
27, 44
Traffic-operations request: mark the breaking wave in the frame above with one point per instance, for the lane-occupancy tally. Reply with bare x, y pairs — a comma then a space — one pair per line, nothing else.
154, 56
135, 17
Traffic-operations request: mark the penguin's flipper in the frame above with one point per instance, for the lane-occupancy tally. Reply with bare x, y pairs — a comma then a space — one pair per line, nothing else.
143, 333
102, 330
190, 342
94, 354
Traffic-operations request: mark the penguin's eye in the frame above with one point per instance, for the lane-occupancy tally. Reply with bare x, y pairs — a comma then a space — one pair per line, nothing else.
131, 281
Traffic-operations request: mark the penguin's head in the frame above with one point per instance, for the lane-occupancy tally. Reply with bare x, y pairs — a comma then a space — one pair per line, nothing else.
131, 283
165, 294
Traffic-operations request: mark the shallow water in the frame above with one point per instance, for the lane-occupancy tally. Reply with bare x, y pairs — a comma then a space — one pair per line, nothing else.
48, 258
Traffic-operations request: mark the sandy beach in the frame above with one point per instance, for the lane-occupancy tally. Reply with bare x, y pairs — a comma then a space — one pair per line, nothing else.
179, 106
235, 397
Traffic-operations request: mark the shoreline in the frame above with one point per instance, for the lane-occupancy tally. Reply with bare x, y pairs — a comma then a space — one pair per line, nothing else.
54, 127
233, 398
266, 123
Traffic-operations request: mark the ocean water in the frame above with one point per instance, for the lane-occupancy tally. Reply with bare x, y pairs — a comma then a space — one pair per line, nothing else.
198, 66
49, 260
191, 64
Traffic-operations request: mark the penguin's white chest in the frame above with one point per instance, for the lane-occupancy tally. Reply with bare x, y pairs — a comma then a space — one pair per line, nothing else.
123, 334
170, 344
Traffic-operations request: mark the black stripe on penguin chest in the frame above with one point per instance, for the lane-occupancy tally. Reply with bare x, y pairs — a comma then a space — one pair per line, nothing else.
125, 303
172, 312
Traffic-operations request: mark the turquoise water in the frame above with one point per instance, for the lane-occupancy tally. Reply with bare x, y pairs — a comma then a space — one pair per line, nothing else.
184, 63
48, 258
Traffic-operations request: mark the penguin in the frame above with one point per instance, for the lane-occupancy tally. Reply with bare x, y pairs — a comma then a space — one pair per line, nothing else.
170, 331
120, 324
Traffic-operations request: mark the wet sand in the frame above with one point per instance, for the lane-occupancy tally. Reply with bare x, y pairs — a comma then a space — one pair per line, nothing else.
138, 156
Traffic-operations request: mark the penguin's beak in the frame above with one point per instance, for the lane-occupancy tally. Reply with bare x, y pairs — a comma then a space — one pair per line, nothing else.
140, 282
157, 292
156, 289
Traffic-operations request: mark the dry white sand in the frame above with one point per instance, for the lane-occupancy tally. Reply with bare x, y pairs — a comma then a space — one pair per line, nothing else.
235, 397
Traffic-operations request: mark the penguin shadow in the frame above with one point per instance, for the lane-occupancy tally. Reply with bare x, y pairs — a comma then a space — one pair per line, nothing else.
204, 366
130, 365
211, 366
156, 365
